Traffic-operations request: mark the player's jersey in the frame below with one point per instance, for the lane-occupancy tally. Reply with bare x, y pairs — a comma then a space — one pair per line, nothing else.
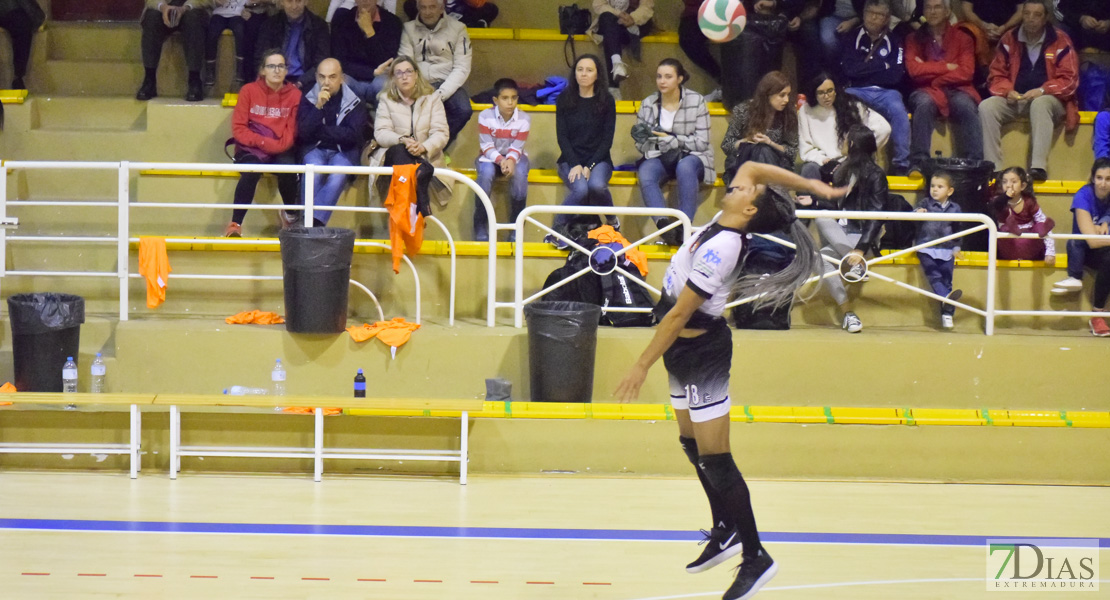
709, 264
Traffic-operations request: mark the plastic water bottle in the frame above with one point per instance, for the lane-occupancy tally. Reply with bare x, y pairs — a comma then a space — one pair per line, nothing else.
69, 375
98, 371
277, 377
360, 385
242, 390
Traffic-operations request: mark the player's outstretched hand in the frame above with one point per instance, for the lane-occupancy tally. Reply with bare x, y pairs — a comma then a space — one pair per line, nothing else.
629, 388
828, 192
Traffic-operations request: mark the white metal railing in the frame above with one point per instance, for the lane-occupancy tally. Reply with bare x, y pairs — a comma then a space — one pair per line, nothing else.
124, 206
525, 217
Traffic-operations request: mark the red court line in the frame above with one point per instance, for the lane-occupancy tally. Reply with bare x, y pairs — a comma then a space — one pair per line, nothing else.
315, 578
594, 583
427, 581
261, 577
371, 580
92, 574
34, 573
141, 575
540, 582
473, 581
204, 577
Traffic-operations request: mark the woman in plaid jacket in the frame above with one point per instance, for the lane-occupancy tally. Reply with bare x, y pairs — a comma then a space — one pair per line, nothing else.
672, 132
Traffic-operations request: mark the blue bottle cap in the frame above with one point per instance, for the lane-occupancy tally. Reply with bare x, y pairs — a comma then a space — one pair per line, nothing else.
360, 371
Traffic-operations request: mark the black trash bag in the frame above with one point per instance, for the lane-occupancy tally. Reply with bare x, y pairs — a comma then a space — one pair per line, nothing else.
46, 329
562, 344
317, 264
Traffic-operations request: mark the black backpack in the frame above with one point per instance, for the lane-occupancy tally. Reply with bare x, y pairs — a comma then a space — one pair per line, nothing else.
613, 289
898, 235
762, 257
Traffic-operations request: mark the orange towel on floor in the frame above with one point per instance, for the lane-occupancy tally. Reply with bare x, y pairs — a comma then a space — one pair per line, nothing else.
607, 235
406, 226
256, 317
393, 333
7, 388
154, 266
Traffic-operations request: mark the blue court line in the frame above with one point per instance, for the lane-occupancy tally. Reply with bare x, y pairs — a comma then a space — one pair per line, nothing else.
631, 535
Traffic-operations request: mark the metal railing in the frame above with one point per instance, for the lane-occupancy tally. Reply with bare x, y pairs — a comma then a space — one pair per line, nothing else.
124, 206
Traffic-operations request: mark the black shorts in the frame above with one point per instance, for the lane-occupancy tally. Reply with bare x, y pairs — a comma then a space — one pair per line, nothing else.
698, 369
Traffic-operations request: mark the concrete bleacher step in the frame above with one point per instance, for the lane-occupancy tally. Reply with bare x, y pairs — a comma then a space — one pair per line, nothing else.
82, 40
91, 114
115, 77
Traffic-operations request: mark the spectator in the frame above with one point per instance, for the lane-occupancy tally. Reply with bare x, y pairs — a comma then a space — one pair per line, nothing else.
364, 41
823, 125
337, 5
264, 126
672, 132
993, 17
940, 60
442, 49
1035, 73
159, 20
938, 261
756, 52
302, 36
1016, 211
763, 129
804, 31
21, 19
1101, 136
330, 130
230, 15
874, 66
502, 131
1089, 23
585, 119
696, 46
617, 24
472, 13
855, 238
837, 18
411, 113
1091, 216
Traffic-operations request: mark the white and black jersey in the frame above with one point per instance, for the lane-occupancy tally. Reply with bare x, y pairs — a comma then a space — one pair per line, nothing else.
709, 264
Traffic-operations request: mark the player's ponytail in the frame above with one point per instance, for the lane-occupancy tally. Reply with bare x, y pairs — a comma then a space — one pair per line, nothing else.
776, 213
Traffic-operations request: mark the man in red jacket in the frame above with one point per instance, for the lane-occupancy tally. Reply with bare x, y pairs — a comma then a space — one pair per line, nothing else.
1035, 72
940, 60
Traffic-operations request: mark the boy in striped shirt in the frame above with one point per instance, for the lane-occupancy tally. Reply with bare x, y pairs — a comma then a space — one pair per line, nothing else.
502, 131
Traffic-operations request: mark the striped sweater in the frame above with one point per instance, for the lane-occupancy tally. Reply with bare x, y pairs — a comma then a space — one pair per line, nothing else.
499, 139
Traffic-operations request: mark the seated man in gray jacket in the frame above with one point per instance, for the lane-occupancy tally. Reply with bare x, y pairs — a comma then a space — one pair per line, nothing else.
442, 51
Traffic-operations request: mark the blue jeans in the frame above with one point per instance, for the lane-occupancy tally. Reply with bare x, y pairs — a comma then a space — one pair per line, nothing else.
518, 193
963, 115
458, 111
328, 187
1102, 135
367, 91
888, 103
582, 192
939, 275
653, 174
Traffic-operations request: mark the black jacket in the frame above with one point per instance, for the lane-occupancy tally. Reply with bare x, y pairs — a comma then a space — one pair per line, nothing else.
316, 43
869, 193
359, 55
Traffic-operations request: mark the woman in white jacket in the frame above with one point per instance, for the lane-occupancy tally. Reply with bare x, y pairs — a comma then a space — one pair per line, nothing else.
824, 122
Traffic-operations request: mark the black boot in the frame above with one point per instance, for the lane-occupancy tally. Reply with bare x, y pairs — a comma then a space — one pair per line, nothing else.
149, 88
196, 88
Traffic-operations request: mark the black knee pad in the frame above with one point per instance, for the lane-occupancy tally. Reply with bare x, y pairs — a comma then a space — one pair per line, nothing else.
690, 447
721, 470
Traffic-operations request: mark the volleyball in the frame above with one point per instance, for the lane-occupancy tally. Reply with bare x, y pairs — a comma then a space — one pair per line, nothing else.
722, 20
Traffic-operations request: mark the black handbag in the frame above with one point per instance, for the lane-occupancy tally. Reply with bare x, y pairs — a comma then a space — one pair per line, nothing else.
572, 21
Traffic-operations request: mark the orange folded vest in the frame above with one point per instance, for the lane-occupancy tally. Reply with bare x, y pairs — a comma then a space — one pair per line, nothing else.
607, 235
393, 333
406, 225
154, 266
256, 317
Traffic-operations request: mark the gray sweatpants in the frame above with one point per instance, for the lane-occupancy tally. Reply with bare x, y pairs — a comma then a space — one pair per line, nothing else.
836, 244
1043, 112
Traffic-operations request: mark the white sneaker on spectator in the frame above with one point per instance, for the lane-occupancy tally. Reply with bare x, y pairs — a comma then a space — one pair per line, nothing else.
1067, 286
615, 92
620, 72
947, 322
851, 323
714, 96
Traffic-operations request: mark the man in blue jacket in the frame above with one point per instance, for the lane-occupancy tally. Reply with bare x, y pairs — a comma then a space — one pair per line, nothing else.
873, 63
331, 129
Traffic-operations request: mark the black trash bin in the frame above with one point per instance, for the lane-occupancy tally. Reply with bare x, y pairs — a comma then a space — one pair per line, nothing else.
973, 180
46, 329
562, 343
317, 262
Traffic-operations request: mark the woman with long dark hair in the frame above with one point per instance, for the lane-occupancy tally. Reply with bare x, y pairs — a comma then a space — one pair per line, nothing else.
672, 132
824, 122
585, 119
855, 238
695, 343
1091, 216
763, 129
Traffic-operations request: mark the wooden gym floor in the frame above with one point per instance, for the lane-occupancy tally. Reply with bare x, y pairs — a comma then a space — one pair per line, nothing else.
83, 535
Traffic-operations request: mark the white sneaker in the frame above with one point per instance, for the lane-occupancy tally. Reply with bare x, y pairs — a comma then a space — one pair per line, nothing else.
620, 72
714, 96
1068, 286
851, 323
947, 322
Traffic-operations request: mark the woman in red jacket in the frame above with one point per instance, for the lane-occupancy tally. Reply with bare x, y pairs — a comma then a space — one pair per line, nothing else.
264, 126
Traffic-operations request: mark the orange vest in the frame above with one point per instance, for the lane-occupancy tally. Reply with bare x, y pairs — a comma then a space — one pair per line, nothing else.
406, 225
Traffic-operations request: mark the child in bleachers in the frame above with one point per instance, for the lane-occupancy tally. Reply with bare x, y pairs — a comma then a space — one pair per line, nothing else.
938, 261
1016, 211
502, 130
617, 24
